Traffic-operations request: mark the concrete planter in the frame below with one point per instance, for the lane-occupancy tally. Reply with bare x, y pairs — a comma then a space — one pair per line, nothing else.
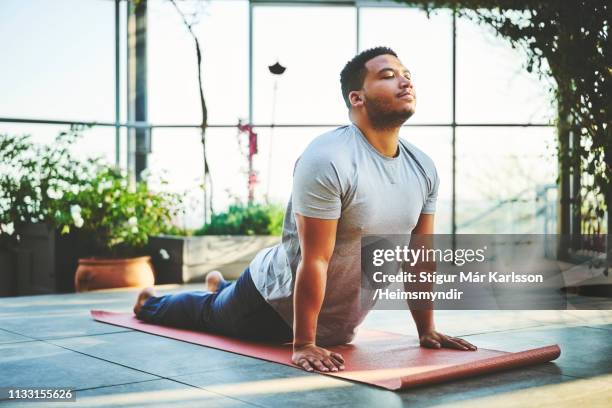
188, 259
46, 260
8, 272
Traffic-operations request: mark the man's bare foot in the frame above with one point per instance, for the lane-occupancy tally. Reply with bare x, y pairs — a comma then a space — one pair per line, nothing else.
213, 279
142, 298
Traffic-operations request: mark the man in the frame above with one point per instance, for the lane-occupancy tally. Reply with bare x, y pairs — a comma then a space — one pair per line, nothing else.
355, 180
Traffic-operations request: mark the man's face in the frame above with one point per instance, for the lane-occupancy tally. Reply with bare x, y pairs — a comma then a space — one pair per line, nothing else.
388, 94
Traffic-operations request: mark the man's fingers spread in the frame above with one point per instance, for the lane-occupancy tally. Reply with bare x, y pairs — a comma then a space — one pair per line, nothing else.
338, 357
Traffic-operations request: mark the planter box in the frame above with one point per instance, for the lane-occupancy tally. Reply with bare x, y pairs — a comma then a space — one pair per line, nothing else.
188, 259
8, 272
46, 260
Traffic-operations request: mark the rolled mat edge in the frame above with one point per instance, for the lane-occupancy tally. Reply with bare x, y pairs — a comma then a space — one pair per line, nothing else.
489, 365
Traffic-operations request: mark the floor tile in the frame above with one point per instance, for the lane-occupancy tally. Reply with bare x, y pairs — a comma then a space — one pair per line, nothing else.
469, 389
155, 354
39, 364
270, 384
8, 337
156, 393
591, 392
585, 352
43, 326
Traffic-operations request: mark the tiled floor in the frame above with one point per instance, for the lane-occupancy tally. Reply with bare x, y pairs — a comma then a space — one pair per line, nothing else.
50, 341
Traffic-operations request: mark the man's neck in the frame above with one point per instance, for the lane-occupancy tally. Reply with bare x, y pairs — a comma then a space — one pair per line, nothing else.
385, 141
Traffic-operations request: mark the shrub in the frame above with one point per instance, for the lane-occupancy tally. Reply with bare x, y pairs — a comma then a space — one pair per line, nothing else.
33, 177
118, 219
253, 219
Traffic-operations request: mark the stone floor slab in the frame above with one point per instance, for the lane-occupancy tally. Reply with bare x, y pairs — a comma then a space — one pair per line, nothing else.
42, 326
155, 393
585, 351
155, 354
40, 364
469, 389
8, 337
269, 384
591, 392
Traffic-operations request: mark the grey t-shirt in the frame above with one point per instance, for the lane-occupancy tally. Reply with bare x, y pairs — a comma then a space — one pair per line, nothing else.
341, 176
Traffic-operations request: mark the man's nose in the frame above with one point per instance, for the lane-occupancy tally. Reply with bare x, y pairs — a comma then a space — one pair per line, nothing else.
405, 82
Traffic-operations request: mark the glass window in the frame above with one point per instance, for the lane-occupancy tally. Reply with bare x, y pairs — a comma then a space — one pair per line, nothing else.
95, 142
173, 75
493, 85
503, 179
313, 43
59, 70
227, 161
279, 148
424, 45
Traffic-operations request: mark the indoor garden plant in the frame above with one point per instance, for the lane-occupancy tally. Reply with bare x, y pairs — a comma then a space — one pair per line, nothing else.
117, 221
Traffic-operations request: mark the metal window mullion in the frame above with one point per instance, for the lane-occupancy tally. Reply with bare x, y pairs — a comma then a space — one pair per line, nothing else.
454, 130
357, 27
117, 86
137, 124
250, 62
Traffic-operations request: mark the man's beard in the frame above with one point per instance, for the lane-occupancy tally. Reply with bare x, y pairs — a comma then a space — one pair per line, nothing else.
383, 118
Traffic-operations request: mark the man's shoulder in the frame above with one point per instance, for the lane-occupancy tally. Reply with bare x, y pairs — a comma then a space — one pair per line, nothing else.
332, 138
329, 147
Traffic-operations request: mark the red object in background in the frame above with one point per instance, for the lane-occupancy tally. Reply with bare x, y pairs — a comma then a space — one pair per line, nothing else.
253, 178
252, 143
388, 360
252, 175
247, 128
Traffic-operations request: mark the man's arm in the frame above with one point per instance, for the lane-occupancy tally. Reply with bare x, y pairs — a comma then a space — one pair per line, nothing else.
424, 319
317, 240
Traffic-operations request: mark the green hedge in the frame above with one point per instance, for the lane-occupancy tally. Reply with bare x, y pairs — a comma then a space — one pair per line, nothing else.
254, 219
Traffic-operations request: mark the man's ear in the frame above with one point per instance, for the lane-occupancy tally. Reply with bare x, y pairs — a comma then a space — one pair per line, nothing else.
356, 98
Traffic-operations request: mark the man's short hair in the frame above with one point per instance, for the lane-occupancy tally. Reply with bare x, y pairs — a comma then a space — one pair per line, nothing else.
354, 72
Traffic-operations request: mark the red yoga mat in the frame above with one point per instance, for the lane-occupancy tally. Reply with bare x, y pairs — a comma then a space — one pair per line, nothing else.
387, 360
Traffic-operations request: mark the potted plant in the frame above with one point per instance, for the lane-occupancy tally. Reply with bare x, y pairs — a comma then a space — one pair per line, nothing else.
116, 221
228, 244
33, 256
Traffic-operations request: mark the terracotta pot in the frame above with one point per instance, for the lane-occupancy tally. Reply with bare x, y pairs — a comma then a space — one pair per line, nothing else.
99, 273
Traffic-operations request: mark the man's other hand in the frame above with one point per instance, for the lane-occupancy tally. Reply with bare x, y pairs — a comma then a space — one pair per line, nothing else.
311, 357
436, 340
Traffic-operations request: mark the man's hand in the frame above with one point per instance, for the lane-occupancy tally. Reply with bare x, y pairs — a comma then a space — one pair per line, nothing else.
310, 355
436, 340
